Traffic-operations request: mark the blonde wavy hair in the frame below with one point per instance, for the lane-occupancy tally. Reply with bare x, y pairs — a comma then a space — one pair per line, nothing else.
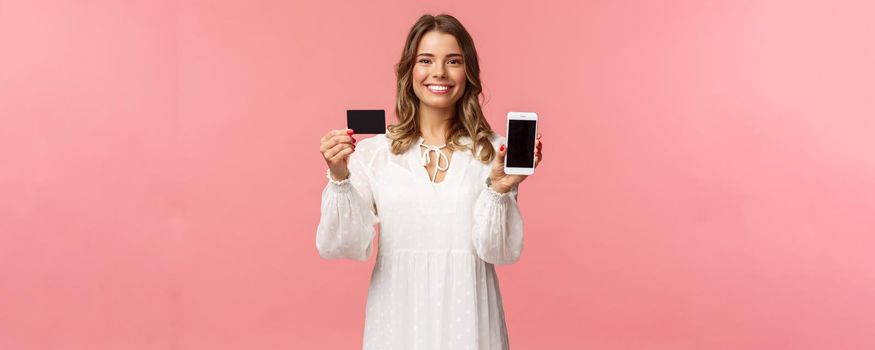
469, 120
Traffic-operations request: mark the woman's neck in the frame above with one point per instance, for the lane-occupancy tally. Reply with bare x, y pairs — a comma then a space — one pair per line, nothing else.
434, 124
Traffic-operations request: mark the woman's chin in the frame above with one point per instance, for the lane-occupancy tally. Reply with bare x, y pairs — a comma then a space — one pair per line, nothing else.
439, 103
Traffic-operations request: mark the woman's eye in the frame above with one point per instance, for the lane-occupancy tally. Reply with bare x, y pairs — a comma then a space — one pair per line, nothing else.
455, 62
424, 60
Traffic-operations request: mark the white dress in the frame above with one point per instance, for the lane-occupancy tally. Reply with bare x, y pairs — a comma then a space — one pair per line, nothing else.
433, 285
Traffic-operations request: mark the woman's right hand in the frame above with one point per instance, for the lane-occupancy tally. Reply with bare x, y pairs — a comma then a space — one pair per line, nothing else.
336, 146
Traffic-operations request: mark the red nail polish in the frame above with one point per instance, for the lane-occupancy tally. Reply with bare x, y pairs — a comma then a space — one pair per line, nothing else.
502, 148
350, 132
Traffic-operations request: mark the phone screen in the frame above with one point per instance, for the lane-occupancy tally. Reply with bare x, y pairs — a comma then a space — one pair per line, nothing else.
521, 143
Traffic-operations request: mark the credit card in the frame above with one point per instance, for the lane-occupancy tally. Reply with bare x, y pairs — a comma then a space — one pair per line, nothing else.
366, 121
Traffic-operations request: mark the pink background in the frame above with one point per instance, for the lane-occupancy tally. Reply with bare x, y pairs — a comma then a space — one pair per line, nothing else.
708, 182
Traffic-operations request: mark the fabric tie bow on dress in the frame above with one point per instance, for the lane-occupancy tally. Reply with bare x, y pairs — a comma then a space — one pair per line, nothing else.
425, 159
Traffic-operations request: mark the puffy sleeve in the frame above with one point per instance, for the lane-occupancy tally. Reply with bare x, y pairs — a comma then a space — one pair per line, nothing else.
348, 214
498, 226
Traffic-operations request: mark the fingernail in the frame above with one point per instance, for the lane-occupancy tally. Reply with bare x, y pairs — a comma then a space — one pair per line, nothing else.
353, 140
502, 148
350, 132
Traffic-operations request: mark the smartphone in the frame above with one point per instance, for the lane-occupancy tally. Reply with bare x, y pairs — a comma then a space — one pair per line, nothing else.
521, 130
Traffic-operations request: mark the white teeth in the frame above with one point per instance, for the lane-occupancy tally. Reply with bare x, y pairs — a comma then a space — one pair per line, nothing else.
438, 87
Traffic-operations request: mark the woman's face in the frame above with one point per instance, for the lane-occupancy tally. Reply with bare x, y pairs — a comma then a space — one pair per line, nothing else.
439, 73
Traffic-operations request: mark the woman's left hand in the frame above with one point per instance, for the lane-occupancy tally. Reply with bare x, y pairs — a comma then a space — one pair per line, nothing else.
502, 182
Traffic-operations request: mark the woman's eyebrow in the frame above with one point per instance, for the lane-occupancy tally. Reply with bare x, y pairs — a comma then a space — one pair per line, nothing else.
426, 54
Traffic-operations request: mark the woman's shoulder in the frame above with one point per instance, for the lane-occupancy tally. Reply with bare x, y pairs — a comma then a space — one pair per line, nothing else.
496, 139
371, 147
373, 144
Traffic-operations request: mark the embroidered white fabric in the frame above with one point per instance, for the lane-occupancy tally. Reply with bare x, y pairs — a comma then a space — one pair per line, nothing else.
434, 285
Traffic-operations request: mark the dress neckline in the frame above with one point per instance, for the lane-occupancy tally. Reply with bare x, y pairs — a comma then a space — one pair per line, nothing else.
425, 159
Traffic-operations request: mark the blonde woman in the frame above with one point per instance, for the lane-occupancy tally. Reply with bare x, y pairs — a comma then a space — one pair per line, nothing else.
435, 184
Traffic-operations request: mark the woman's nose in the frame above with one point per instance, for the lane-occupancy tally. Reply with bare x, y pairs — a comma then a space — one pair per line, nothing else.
438, 71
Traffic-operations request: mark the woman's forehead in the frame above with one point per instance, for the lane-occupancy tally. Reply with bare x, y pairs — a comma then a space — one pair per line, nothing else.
438, 44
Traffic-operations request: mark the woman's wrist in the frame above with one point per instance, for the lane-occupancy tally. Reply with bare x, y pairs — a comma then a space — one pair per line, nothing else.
337, 179
499, 188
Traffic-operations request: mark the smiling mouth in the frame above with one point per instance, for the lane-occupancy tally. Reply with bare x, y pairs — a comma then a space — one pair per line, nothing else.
438, 89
